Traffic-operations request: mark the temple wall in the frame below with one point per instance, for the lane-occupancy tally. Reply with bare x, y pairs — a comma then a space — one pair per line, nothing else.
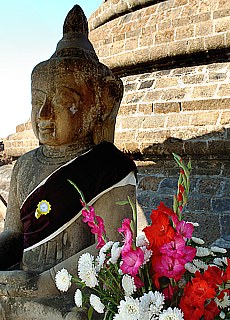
173, 58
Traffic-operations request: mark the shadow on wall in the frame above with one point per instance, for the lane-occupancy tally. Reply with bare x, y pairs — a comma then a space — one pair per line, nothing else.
209, 199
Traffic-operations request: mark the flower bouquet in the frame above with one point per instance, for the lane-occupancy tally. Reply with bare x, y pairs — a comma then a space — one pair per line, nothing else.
164, 274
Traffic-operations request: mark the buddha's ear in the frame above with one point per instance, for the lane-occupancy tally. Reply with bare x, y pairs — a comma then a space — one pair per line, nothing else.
111, 95
112, 92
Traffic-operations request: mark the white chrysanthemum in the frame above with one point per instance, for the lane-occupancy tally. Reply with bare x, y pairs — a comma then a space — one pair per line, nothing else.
100, 259
223, 303
147, 255
63, 280
218, 250
106, 247
222, 315
115, 253
202, 252
197, 240
78, 298
195, 224
117, 317
141, 241
129, 309
190, 267
200, 264
151, 304
218, 262
172, 314
96, 303
225, 260
128, 285
87, 271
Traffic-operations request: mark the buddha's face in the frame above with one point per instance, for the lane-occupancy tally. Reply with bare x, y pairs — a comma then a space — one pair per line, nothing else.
62, 105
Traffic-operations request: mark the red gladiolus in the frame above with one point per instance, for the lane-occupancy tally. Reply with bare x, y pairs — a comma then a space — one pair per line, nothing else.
195, 299
181, 188
160, 230
180, 197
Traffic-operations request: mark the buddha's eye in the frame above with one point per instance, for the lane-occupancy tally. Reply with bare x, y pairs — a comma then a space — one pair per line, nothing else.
36, 103
73, 108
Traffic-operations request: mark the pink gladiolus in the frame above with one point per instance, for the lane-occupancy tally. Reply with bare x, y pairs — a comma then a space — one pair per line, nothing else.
174, 248
169, 267
125, 228
138, 283
132, 260
96, 223
185, 229
189, 254
88, 214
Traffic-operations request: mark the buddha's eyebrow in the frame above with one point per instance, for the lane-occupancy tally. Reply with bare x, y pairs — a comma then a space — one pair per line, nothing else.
69, 88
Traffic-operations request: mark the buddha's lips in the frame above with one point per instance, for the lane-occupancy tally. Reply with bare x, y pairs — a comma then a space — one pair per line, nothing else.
45, 127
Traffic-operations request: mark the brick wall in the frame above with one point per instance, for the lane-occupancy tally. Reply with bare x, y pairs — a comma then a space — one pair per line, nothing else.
173, 58
20, 142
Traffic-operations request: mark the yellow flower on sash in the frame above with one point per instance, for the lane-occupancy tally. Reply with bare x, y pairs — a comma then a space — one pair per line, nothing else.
43, 207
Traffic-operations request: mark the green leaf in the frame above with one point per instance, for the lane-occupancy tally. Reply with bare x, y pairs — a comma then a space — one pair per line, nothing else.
122, 202
90, 313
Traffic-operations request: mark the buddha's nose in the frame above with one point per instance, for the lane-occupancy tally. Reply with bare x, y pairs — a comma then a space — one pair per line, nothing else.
45, 111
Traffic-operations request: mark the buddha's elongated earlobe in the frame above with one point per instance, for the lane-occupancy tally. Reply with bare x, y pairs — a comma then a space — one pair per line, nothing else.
112, 91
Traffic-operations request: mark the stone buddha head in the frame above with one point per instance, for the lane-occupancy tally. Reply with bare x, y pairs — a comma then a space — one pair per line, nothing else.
75, 98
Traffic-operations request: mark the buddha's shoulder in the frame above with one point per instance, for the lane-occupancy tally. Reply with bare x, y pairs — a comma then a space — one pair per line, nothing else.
27, 158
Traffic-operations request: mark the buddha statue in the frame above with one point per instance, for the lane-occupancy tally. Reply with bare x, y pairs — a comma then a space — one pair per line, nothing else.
75, 100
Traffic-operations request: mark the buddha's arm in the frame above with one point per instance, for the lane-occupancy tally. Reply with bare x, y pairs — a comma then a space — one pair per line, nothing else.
11, 239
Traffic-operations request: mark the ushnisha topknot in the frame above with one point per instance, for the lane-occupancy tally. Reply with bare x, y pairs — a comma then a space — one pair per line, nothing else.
75, 42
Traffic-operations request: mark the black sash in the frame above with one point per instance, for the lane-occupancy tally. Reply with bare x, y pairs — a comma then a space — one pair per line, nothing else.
93, 172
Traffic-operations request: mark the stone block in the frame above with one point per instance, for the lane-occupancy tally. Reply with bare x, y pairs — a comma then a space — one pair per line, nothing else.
127, 110
131, 122
164, 36
225, 223
117, 47
210, 104
153, 121
152, 96
193, 78
204, 118
205, 91
203, 28
195, 45
222, 24
221, 205
221, 13
214, 42
184, 32
206, 222
146, 84
149, 183
224, 90
195, 147
210, 186
131, 44
167, 107
146, 108
166, 82
174, 94
178, 120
